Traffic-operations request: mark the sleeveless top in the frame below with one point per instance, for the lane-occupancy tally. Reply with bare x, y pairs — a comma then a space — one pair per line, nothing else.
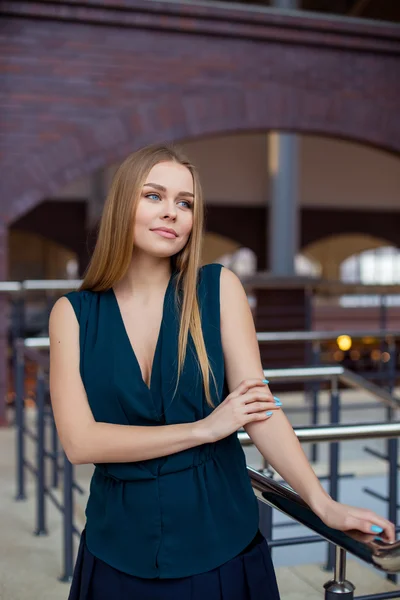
180, 514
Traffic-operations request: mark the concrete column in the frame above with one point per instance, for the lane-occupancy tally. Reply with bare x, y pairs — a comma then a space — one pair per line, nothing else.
283, 236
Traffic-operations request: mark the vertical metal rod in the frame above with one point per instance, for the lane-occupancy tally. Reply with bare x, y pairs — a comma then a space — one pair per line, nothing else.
392, 448
340, 565
308, 349
67, 521
54, 444
315, 387
19, 373
41, 477
339, 587
333, 461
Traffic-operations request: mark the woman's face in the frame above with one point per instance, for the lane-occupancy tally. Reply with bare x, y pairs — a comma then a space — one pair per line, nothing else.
166, 202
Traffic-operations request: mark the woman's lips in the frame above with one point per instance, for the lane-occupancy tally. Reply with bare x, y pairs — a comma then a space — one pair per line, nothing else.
166, 234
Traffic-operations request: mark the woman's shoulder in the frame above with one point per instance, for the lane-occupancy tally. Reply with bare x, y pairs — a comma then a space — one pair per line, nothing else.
209, 271
81, 300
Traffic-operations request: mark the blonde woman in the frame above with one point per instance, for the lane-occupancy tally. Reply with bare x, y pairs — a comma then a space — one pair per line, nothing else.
154, 366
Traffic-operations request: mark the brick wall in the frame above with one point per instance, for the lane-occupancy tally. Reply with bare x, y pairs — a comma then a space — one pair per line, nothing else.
84, 85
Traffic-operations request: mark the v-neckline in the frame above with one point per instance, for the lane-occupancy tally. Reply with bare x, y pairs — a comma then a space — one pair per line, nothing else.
129, 343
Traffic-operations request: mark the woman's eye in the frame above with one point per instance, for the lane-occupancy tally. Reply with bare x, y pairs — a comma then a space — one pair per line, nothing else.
154, 195
188, 204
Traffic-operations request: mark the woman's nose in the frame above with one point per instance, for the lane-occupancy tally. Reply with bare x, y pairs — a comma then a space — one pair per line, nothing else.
170, 210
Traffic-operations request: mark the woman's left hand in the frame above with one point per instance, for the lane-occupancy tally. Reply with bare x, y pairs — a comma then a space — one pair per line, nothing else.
345, 517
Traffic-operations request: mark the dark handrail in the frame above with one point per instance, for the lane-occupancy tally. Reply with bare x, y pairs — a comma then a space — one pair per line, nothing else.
367, 547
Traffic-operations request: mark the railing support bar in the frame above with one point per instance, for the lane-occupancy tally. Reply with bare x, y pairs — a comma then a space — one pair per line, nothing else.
339, 584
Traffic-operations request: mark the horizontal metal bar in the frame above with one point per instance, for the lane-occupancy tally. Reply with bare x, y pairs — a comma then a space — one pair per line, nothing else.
376, 453
304, 373
248, 282
382, 555
351, 379
30, 434
376, 495
39, 342
322, 336
338, 433
78, 488
51, 454
10, 286
31, 468
299, 374
51, 284
356, 381
54, 500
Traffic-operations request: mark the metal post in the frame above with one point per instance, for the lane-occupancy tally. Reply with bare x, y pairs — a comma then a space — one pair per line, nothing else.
339, 585
315, 386
67, 521
41, 477
54, 444
20, 417
392, 448
333, 461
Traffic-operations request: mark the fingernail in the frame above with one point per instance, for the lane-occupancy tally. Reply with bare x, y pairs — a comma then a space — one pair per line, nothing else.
277, 401
269, 413
376, 529
265, 380
379, 538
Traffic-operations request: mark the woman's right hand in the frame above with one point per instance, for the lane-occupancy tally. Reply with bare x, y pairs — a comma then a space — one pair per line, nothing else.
249, 402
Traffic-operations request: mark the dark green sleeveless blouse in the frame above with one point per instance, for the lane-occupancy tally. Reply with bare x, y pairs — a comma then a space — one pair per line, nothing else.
184, 513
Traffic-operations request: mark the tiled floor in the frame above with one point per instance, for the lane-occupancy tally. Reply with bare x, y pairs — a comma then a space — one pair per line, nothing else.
30, 566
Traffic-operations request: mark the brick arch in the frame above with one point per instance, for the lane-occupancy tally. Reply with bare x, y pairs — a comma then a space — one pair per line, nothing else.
226, 71
332, 250
109, 141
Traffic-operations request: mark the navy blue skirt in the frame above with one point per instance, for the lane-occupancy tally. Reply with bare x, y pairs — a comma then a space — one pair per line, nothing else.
248, 576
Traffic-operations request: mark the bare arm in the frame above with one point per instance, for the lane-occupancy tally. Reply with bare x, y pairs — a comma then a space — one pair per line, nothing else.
275, 438
85, 440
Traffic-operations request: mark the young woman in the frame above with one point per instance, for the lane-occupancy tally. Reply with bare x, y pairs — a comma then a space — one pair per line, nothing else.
154, 367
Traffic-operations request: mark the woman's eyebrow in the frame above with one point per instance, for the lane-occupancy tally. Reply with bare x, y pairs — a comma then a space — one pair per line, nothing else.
157, 186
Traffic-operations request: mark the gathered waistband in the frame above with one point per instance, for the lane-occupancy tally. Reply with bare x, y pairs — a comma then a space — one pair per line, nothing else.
174, 463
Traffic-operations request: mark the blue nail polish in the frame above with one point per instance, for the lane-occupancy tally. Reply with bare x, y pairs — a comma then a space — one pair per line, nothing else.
269, 413
265, 380
376, 529
277, 401
379, 539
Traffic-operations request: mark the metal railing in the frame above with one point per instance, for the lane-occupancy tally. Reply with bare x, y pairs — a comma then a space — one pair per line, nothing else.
367, 547
335, 375
44, 418
332, 433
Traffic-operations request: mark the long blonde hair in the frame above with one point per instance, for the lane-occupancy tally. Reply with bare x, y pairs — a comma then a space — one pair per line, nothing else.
113, 251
